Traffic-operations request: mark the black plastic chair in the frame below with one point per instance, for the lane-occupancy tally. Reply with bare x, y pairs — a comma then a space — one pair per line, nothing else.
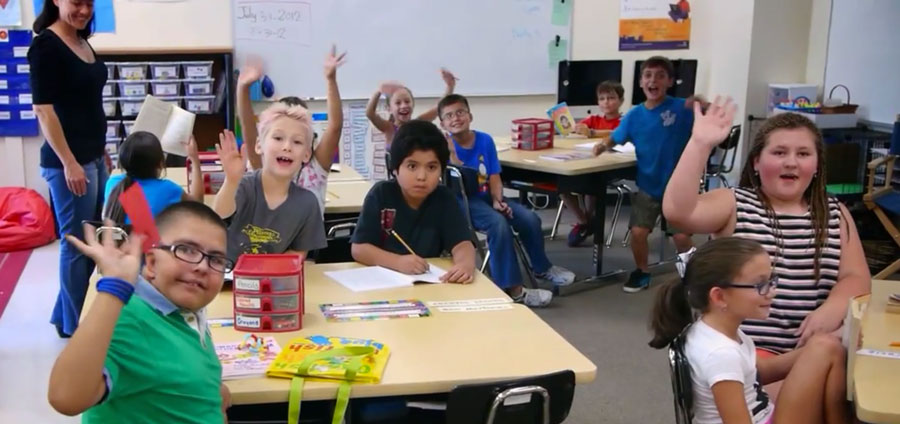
728, 150
543, 399
682, 387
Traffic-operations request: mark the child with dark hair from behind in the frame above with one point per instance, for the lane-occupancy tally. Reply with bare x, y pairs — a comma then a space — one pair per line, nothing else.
727, 281
415, 206
142, 159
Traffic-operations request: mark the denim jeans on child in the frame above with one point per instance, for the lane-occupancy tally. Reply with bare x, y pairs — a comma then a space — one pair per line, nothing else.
74, 268
504, 263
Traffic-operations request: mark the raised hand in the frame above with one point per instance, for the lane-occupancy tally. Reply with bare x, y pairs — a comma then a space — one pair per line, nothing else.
333, 61
120, 262
712, 127
192, 151
252, 71
449, 79
233, 160
389, 87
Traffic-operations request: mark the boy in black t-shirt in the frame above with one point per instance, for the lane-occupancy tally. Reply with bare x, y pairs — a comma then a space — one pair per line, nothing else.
422, 212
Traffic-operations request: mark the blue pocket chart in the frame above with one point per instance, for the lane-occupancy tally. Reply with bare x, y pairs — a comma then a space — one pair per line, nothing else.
16, 115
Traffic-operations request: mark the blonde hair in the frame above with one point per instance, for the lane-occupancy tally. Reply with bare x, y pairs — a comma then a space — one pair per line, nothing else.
278, 110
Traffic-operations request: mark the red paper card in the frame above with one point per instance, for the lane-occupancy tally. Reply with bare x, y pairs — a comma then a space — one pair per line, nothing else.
138, 210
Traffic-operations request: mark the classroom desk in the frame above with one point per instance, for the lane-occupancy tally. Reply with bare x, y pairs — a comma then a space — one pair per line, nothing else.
587, 176
428, 355
876, 380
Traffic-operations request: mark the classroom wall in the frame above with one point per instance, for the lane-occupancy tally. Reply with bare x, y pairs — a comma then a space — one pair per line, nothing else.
819, 23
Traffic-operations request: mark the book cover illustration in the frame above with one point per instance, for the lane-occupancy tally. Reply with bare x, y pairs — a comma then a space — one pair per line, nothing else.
331, 368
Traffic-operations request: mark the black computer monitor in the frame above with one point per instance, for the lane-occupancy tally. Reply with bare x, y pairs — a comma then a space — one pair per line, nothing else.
685, 80
578, 80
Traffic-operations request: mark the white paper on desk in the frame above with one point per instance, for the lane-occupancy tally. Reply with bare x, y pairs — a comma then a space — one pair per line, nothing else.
624, 148
585, 146
565, 157
335, 167
171, 124
378, 278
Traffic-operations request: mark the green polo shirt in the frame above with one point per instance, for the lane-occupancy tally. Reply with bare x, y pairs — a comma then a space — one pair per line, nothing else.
159, 367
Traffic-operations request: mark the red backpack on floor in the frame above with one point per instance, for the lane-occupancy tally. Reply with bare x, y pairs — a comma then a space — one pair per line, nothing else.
26, 220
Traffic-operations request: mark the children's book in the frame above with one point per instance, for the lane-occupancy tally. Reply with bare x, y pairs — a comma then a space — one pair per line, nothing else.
376, 278
562, 118
330, 367
565, 157
239, 360
171, 124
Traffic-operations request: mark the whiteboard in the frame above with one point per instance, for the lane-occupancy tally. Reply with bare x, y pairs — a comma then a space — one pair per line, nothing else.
494, 47
864, 55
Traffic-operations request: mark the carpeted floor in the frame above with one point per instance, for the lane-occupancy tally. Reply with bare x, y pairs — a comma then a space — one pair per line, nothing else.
11, 266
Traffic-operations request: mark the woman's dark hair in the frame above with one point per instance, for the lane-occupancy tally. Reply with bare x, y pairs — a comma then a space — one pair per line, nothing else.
418, 135
815, 195
141, 157
715, 264
50, 14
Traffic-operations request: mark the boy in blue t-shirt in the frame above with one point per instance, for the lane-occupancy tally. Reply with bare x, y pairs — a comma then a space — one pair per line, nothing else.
659, 128
493, 214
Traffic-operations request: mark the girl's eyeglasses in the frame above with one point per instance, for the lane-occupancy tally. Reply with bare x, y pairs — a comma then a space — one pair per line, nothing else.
762, 288
192, 255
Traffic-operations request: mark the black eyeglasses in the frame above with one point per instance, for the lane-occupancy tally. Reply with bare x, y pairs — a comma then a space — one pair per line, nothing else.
457, 113
192, 255
762, 288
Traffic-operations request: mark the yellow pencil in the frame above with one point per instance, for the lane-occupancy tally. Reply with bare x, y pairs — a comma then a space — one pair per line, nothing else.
400, 239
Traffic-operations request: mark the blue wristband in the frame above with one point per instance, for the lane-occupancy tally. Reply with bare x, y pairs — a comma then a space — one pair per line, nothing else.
116, 287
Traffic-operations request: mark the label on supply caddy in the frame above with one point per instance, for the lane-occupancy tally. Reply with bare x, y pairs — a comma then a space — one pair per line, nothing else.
246, 284
247, 302
250, 322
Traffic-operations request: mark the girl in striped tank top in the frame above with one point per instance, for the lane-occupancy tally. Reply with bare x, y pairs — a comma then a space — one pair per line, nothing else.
782, 204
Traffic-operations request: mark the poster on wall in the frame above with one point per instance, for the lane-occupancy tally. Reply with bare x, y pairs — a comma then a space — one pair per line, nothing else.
10, 13
654, 25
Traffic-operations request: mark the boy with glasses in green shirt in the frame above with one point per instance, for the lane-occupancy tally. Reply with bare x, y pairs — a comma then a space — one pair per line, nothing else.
143, 352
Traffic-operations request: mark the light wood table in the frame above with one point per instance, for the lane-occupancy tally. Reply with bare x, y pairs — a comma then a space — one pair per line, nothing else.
428, 355
524, 169
876, 380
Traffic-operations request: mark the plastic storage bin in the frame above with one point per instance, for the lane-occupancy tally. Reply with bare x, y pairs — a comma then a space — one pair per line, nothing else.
109, 106
164, 70
244, 321
211, 170
172, 100
199, 104
166, 87
133, 88
198, 87
198, 69
109, 90
532, 133
112, 129
112, 145
266, 302
130, 106
268, 293
126, 127
132, 70
110, 70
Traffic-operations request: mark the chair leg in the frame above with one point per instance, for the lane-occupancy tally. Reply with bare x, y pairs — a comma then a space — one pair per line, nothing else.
559, 212
887, 272
484, 263
620, 197
723, 181
627, 238
526, 261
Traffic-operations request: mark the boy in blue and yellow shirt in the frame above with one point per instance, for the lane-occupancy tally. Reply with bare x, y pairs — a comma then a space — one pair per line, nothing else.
659, 128
143, 353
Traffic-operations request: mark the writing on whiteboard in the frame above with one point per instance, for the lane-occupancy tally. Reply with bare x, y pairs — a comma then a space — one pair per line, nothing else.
277, 20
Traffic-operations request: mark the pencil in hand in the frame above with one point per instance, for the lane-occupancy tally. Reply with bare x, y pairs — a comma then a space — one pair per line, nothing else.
400, 239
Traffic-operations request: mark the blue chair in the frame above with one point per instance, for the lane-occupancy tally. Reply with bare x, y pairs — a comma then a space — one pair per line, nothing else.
884, 199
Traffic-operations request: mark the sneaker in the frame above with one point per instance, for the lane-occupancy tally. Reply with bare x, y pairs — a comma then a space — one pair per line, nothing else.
557, 275
637, 281
579, 233
535, 298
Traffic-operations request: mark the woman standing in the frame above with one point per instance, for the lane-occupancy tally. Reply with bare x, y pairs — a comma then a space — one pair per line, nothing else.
67, 83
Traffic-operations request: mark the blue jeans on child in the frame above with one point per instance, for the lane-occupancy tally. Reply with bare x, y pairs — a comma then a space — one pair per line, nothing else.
74, 268
504, 263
